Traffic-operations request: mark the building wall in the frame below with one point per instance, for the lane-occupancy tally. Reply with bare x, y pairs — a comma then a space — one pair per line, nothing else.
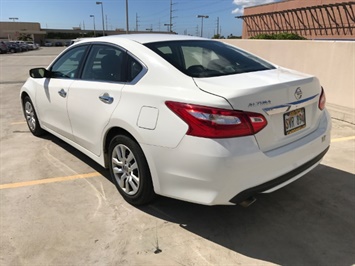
333, 62
326, 21
13, 30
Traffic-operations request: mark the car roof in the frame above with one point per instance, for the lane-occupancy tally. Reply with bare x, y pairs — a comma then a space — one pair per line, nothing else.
145, 38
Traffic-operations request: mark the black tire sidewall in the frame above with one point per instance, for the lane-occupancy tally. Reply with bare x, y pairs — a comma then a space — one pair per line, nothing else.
145, 191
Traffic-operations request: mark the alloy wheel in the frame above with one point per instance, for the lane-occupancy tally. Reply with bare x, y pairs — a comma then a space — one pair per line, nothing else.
125, 169
30, 116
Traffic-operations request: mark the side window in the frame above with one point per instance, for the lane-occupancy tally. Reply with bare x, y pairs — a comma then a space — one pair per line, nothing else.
67, 65
134, 68
104, 63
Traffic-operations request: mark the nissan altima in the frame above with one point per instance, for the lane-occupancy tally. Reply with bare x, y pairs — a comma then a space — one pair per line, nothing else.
179, 116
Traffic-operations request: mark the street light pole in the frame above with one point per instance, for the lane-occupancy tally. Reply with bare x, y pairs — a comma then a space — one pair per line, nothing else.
102, 13
92, 16
202, 17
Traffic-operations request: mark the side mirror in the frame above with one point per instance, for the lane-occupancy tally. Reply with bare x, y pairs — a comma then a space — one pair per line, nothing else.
40, 72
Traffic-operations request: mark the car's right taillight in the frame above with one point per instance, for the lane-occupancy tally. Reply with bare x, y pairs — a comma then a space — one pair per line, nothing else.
322, 100
210, 122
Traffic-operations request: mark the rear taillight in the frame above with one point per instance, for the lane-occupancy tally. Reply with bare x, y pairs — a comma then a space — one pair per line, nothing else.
322, 100
210, 122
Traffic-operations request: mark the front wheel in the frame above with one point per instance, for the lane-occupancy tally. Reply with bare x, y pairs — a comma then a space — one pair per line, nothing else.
130, 171
31, 117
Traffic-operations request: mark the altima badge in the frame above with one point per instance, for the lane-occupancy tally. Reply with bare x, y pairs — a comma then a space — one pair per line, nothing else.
259, 103
298, 93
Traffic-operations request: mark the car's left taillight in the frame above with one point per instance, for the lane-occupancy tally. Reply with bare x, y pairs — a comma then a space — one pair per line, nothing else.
322, 100
211, 122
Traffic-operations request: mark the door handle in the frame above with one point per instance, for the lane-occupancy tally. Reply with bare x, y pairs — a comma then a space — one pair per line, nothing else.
62, 93
106, 98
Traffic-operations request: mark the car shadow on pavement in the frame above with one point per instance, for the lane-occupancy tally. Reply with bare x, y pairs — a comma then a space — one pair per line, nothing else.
309, 222
81, 156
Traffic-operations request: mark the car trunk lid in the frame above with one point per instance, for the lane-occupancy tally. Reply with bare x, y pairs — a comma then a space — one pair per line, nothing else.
287, 99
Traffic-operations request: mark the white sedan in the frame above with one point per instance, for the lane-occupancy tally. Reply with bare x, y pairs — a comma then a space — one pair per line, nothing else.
184, 117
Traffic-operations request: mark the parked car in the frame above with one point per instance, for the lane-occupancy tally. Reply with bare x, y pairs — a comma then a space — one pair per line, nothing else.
48, 44
184, 117
32, 45
58, 44
23, 45
13, 47
3, 48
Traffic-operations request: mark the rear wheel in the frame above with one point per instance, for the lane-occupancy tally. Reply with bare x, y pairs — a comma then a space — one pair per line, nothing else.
31, 117
129, 171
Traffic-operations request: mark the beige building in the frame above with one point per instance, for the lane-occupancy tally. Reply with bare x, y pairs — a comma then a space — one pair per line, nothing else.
13, 30
312, 19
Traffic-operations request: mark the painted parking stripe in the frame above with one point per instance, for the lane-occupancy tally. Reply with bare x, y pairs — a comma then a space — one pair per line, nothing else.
18, 123
343, 139
49, 180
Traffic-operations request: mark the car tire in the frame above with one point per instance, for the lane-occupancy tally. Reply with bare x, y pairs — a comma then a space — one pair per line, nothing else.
130, 171
31, 117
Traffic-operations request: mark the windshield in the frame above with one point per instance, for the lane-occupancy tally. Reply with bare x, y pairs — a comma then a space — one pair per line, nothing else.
208, 58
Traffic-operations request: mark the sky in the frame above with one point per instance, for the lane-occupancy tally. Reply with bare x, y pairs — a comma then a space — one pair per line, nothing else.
150, 14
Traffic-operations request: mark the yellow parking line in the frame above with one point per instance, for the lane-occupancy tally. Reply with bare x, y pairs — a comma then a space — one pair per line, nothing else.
18, 123
343, 139
48, 180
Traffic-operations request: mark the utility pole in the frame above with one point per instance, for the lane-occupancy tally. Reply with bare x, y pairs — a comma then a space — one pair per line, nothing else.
127, 26
106, 23
218, 26
137, 22
171, 17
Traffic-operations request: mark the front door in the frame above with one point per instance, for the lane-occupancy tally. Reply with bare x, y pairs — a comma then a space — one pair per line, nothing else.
52, 98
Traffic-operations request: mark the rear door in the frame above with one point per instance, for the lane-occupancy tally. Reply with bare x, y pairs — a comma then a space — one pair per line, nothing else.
93, 99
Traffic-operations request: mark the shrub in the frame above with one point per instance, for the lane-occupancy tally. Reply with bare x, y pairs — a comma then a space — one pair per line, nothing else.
279, 36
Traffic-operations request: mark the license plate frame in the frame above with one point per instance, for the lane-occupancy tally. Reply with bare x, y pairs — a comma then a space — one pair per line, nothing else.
294, 121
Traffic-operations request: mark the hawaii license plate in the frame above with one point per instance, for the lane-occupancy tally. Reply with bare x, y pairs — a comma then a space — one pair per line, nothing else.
294, 121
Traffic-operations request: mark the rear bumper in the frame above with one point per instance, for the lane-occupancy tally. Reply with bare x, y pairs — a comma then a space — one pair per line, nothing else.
279, 180
227, 171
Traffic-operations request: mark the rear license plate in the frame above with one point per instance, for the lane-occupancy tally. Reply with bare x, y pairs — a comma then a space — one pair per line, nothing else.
294, 121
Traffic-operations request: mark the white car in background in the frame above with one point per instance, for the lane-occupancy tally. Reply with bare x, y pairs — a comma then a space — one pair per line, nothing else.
32, 45
184, 117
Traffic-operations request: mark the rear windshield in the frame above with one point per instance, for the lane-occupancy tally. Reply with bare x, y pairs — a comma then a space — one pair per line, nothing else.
208, 58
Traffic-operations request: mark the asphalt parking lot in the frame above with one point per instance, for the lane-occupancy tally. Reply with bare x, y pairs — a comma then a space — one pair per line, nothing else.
58, 207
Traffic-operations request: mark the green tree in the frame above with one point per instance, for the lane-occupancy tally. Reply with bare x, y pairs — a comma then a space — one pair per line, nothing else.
25, 37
